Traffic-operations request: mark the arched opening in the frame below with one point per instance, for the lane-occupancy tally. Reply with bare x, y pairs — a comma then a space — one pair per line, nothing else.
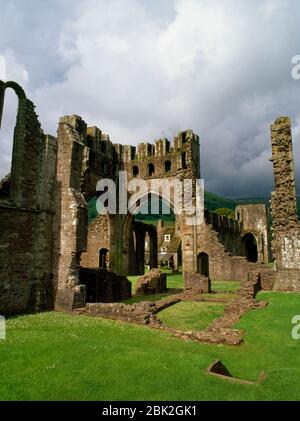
250, 245
203, 264
103, 258
183, 160
168, 166
8, 121
161, 241
151, 170
135, 171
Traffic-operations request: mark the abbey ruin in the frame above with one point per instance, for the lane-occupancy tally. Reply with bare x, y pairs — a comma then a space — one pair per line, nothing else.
51, 256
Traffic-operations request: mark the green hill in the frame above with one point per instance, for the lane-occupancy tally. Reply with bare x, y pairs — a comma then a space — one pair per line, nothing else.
213, 202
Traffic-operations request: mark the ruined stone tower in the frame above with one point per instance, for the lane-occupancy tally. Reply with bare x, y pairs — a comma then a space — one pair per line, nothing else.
286, 226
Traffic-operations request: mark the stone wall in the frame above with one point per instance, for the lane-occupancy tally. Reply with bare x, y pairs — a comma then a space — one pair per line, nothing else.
197, 282
255, 220
222, 264
26, 214
284, 204
153, 282
284, 210
71, 212
104, 286
99, 237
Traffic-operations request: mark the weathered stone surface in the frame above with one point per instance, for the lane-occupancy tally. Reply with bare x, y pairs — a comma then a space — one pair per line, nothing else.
267, 279
196, 282
254, 220
71, 208
286, 243
104, 285
151, 283
284, 205
26, 214
141, 313
221, 239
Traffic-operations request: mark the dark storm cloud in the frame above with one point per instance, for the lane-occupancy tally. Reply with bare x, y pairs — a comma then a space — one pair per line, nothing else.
141, 70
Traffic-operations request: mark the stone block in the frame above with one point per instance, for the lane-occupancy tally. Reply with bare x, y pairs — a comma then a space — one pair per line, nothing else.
197, 282
151, 283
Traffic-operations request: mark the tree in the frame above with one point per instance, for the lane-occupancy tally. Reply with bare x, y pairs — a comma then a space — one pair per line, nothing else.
225, 212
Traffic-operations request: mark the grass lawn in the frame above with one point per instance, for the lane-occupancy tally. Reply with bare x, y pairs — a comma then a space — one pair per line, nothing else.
57, 356
225, 285
188, 315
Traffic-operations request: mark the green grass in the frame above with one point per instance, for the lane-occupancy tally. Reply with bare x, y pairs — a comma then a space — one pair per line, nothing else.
56, 356
218, 295
188, 315
225, 285
150, 297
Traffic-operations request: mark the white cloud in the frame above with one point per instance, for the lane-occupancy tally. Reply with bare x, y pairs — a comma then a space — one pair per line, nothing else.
140, 72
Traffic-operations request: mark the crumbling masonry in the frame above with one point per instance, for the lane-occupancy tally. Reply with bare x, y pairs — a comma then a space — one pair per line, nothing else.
286, 244
49, 254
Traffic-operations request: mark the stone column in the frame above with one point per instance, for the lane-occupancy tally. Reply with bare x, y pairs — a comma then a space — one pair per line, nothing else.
284, 205
71, 212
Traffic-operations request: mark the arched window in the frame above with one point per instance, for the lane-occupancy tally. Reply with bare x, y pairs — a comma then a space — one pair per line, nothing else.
103, 258
135, 171
183, 160
203, 264
168, 166
151, 169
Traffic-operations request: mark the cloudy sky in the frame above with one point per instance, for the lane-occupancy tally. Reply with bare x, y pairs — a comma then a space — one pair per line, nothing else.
145, 69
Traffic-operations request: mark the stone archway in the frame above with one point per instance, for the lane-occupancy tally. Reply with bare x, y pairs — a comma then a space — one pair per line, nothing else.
250, 247
203, 264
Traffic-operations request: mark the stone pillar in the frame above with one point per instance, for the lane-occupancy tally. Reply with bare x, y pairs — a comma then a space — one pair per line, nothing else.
153, 247
284, 205
71, 208
286, 244
140, 248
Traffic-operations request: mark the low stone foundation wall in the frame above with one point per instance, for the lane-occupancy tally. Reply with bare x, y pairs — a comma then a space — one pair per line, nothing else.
287, 280
267, 279
220, 330
104, 286
151, 283
141, 313
196, 282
